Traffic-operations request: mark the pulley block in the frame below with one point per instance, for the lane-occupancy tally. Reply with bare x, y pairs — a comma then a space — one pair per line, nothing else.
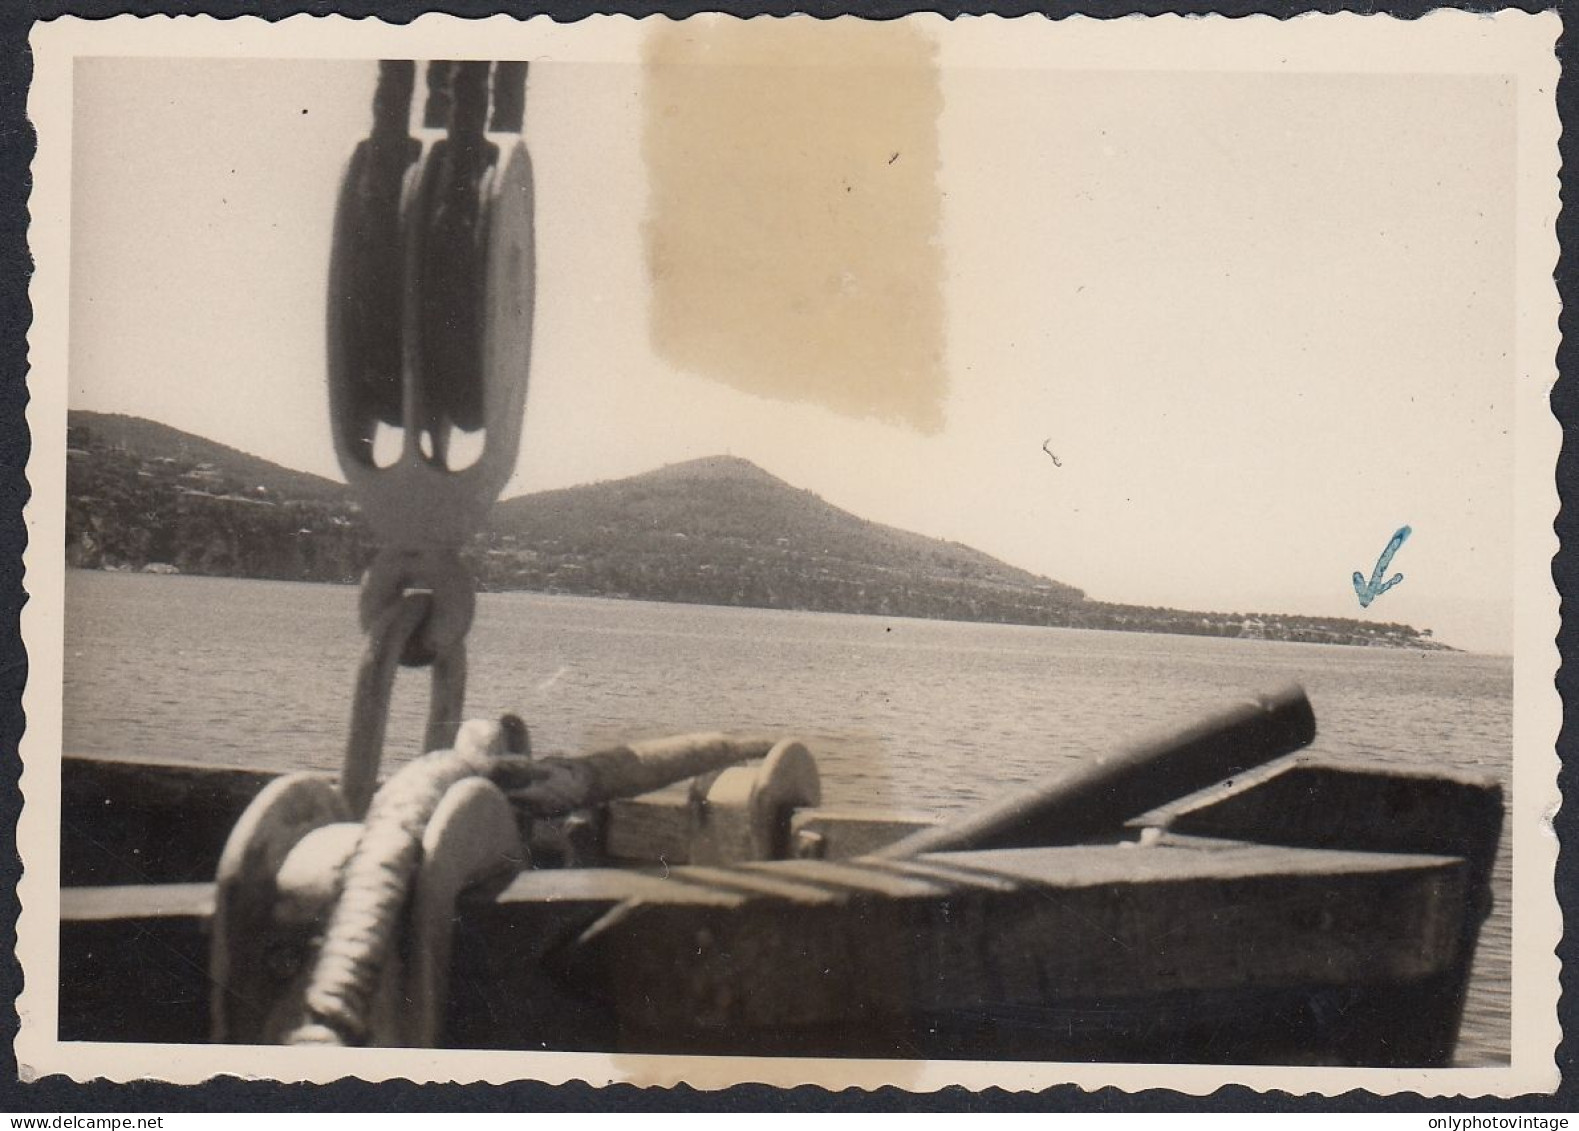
430, 304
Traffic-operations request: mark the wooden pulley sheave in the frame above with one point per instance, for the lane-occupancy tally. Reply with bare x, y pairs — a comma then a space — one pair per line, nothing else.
431, 283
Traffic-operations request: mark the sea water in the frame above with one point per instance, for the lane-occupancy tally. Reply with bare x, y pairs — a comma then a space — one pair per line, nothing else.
921, 715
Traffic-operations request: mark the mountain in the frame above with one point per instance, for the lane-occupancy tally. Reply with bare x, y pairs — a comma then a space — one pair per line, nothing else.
145, 496
713, 531
721, 530
160, 442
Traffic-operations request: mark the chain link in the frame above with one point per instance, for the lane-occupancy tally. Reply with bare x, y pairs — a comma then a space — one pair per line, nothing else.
440, 572
402, 633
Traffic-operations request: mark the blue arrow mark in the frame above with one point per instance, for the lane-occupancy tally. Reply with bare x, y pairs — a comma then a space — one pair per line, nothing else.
1368, 591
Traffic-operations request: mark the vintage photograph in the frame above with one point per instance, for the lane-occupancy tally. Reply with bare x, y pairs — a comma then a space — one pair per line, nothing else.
970, 552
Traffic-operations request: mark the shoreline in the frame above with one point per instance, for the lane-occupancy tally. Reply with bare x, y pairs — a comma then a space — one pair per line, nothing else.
1391, 644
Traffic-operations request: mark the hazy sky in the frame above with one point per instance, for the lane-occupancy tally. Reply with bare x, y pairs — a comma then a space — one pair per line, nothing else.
1263, 320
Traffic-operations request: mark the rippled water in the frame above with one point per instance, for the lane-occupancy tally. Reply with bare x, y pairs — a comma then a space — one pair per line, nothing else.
910, 714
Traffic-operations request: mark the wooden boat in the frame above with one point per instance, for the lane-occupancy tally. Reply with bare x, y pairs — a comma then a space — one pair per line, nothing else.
1307, 913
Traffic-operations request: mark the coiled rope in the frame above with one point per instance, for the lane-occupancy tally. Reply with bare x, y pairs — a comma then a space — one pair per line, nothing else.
373, 889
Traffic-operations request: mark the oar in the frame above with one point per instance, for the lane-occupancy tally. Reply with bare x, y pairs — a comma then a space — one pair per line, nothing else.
1097, 798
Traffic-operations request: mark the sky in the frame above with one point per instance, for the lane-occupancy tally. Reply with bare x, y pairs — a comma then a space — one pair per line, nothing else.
1262, 319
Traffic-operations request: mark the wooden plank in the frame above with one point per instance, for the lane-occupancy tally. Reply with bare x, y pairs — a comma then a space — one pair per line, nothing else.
771, 882
134, 963
837, 834
657, 826
1324, 805
928, 867
1001, 871
603, 886
147, 822
1078, 922
1178, 858
1092, 950
123, 902
855, 876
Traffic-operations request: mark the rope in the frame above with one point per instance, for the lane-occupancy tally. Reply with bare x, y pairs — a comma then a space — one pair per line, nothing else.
469, 113
374, 886
436, 107
509, 98
397, 79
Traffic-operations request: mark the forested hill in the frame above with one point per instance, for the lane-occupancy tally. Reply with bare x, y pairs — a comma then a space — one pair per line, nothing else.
144, 496
714, 531
721, 530
161, 444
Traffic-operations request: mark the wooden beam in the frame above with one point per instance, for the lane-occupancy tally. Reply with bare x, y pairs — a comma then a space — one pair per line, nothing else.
128, 902
875, 952
1075, 920
1075, 951
1094, 798
134, 963
1360, 808
836, 834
